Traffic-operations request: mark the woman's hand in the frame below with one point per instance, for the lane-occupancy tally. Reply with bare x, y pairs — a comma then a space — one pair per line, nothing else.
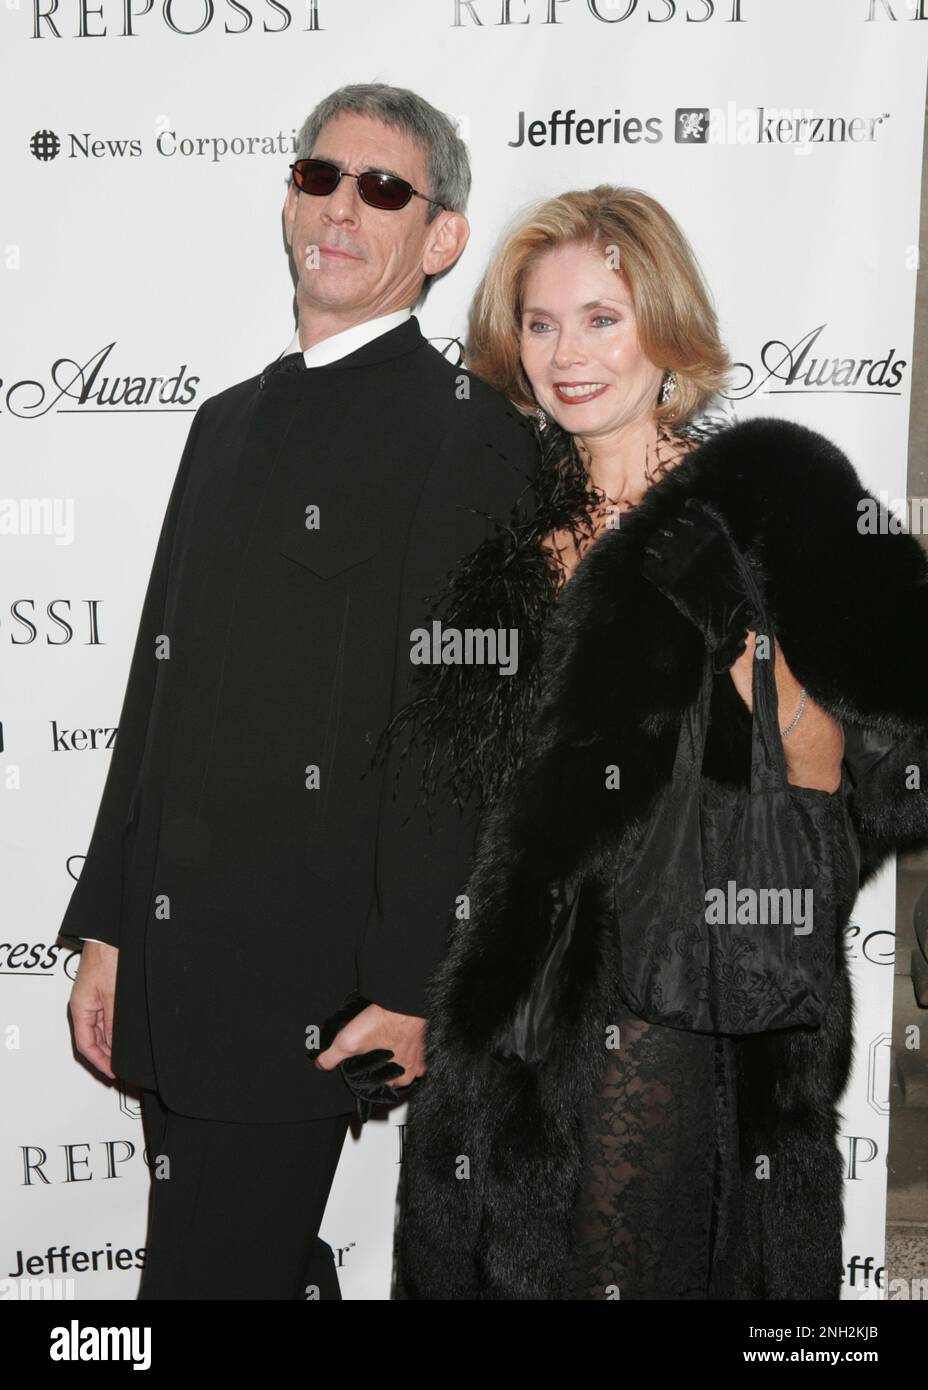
815, 747
788, 688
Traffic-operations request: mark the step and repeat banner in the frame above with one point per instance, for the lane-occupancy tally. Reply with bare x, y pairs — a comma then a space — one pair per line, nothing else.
145, 152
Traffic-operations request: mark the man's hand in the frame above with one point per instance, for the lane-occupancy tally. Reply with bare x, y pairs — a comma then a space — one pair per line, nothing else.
91, 1004
373, 1028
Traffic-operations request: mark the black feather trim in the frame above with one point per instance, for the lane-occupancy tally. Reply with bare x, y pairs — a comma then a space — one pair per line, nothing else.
468, 723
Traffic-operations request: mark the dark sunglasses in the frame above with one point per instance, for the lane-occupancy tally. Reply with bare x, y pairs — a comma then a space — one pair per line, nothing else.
385, 191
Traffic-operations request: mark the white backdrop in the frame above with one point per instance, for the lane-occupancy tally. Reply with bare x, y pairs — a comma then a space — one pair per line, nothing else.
786, 139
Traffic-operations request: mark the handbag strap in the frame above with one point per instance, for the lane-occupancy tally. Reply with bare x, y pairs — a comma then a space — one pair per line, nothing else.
768, 761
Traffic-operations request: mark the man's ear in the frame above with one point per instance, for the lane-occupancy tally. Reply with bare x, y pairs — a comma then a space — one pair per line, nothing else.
448, 235
290, 207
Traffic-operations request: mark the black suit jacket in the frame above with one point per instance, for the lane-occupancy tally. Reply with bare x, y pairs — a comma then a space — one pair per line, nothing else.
246, 860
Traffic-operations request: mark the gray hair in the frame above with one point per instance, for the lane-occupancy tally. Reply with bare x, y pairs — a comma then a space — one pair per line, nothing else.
448, 164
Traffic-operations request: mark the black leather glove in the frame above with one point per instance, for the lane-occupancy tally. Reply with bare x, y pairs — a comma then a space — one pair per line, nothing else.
367, 1074
693, 560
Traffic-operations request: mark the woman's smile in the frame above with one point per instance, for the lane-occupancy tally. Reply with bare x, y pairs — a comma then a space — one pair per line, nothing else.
575, 392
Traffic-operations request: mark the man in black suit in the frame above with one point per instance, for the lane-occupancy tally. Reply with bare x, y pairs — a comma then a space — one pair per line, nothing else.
248, 869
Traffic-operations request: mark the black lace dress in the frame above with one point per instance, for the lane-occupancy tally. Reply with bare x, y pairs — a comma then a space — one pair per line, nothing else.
659, 1206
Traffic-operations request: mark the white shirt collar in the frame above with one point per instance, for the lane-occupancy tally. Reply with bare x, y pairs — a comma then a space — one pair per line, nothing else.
348, 339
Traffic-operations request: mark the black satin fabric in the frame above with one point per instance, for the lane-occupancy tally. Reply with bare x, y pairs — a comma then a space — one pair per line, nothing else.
864, 748
531, 1031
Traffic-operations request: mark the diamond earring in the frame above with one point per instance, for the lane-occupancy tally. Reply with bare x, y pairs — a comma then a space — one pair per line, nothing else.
669, 387
541, 418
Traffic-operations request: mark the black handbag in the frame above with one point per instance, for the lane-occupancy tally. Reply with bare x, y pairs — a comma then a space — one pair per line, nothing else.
727, 908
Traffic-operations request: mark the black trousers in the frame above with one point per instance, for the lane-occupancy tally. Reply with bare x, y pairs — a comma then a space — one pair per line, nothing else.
236, 1208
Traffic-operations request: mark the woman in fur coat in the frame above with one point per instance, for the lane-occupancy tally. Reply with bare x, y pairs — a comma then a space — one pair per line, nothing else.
601, 1155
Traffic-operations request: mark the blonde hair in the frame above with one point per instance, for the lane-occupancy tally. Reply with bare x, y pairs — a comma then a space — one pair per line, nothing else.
676, 322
